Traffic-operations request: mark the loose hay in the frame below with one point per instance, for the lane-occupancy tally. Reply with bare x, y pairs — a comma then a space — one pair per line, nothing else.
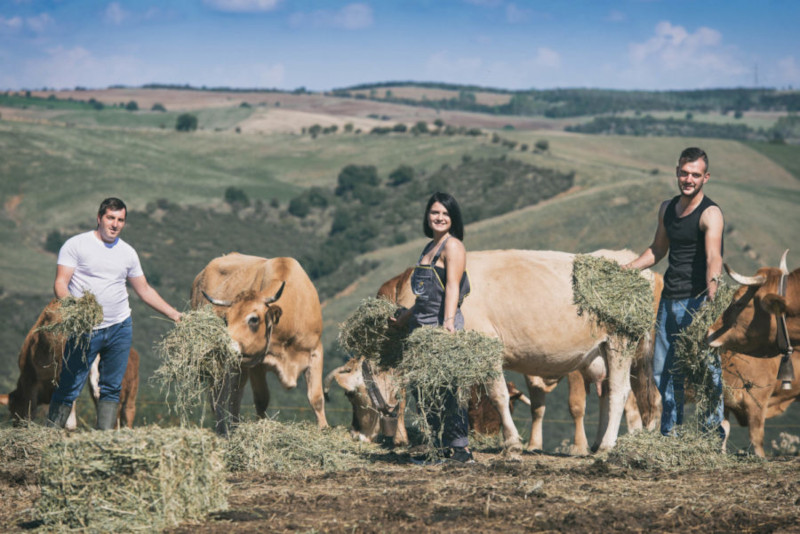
437, 363
21, 447
132, 480
693, 354
195, 355
620, 300
78, 316
366, 333
271, 446
692, 449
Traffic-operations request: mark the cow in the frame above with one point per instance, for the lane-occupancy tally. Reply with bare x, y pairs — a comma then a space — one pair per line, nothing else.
754, 394
40, 363
483, 418
273, 315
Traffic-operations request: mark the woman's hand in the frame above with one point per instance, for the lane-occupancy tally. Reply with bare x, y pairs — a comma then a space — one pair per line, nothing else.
450, 324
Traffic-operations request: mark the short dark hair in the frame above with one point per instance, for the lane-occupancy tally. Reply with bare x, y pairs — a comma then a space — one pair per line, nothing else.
693, 154
113, 204
450, 204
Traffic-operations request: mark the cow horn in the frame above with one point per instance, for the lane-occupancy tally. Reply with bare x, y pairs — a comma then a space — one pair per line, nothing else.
745, 280
525, 400
784, 269
216, 302
270, 300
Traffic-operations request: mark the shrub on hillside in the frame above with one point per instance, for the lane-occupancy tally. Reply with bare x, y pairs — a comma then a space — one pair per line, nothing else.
401, 175
236, 197
158, 107
353, 175
132, 106
186, 122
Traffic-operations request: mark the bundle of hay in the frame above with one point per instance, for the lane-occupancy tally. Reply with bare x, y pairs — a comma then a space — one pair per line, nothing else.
693, 353
437, 364
692, 449
366, 333
620, 300
271, 446
195, 355
144, 479
78, 316
21, 447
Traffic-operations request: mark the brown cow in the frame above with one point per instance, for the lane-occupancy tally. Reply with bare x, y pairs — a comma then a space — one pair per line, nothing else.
754, 394
284, 338
483, 418
39, 370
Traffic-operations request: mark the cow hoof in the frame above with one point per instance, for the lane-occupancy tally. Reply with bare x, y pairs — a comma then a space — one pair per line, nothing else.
512, 451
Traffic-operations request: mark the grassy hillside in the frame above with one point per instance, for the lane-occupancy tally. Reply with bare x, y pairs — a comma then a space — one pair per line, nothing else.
52, 177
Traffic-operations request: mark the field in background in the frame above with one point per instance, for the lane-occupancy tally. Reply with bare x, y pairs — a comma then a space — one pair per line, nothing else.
58, 164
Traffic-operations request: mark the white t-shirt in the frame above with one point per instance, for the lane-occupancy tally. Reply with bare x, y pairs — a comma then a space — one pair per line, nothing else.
103, 269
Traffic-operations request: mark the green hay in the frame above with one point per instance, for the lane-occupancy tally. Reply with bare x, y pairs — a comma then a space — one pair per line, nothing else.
693, 354
620, 300
271, 446
436, 363
78, 316
693, 449
366, 333
141, 480
195, 356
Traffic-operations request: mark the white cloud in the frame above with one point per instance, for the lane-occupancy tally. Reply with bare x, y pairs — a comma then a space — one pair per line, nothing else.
114, 13
677, 58
12, 24
39, 23
517, 15
547, 57
243, 6
349, 17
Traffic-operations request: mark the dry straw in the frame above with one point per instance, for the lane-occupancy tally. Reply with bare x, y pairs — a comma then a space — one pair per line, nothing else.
437, 364
620, 300
691, 449
695, 358
366, 333
143, 480
77, 318
271, 446
196, 355
21, 447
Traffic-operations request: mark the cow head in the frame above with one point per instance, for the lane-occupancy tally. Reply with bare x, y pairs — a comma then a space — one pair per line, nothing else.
749, 324
250, 318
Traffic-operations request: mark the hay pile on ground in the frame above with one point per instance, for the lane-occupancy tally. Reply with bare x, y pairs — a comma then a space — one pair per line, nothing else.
271, 446
366, 333
620, 300
132, 480
693, 353
691, 449
21, 447
437, 363
78, 316
195, 355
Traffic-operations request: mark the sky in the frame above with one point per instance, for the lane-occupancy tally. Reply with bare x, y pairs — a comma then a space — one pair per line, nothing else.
323, 45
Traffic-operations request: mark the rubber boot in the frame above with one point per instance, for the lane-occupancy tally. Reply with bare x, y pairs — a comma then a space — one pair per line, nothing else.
107, 415
58, 414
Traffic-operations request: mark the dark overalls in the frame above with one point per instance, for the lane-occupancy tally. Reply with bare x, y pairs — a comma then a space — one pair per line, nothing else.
428, 284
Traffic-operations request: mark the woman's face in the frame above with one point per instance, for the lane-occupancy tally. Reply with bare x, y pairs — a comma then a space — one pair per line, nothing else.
439, 219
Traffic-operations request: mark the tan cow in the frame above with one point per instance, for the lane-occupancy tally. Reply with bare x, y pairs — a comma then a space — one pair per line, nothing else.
273, 314
39, 373
754, 394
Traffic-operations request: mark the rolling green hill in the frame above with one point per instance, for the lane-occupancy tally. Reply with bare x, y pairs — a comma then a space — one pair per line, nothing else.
53, 176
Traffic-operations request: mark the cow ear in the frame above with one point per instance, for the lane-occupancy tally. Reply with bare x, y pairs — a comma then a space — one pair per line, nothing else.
774, 304
275, 313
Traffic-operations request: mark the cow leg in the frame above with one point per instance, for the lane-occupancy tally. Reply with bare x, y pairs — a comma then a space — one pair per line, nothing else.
401, 434
227, 401
578, 391
632, 416
314, 375
537, 395
726, 427
498, 393
612, 401
258, 381
756, 415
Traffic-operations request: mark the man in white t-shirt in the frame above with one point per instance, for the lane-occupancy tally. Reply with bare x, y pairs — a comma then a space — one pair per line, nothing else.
100, 262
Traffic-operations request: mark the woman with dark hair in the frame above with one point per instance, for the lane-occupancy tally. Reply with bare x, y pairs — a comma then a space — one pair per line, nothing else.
440, 284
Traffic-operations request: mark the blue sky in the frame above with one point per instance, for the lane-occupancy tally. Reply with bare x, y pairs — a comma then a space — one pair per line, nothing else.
321, 45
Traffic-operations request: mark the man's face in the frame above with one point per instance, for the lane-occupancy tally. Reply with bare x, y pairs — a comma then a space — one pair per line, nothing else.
110, 224
692, 176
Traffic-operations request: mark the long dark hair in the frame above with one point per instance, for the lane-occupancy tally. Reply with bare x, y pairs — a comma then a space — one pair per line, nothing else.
450, 204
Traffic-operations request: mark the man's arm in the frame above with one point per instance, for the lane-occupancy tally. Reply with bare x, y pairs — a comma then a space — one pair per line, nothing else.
657, 249
712, 223
63, 277
151, 297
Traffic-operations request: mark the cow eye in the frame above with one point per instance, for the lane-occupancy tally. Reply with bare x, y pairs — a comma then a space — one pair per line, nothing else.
252, 320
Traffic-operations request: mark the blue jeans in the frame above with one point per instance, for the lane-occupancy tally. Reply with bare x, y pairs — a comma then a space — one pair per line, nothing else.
113, 344
673, 316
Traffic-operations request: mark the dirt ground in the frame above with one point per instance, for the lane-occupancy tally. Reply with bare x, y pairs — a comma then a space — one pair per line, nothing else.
535, 493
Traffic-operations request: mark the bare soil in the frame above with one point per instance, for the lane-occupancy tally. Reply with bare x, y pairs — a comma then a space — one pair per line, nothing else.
535, 493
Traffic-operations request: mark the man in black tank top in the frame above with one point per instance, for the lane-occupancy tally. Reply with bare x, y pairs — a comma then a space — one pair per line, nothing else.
690, 228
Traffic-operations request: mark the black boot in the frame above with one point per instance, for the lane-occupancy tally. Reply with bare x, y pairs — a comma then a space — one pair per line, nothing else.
107, 415
58, 414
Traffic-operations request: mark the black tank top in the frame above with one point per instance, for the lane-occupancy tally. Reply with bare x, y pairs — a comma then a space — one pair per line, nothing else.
686, 276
